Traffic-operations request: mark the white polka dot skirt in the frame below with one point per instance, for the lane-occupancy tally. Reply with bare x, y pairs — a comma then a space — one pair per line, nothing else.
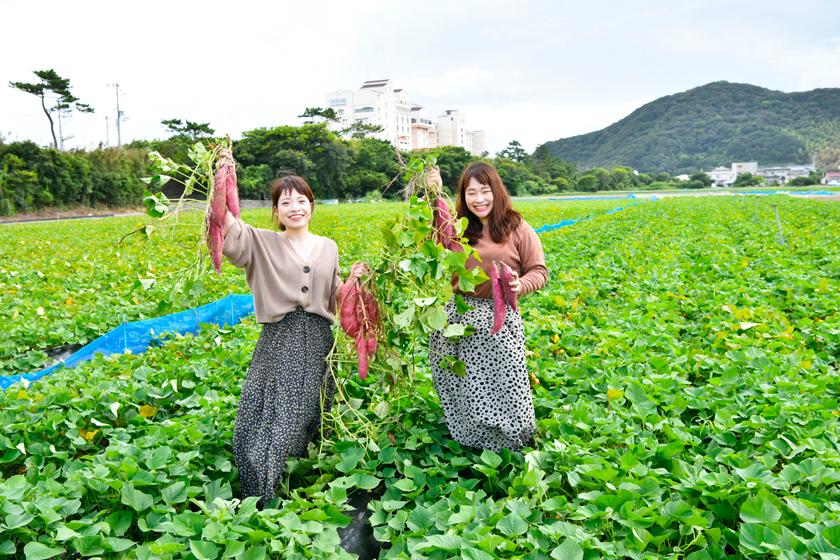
491, 407
280, 407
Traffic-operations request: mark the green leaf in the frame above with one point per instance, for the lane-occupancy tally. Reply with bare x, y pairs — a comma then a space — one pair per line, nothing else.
218, 488
117, 544
434, 317
38, 551
461, 306
420, 519
404, 319
159, 457
759, 509
134, 498
175, 493
204, 550
253, 553
119, 522
512, 525
758, 538
349, 459
454, 330
447, 541
7, 547
365, 481
475, 554
832, 535
491, 458
453, 364
405, 484
156, 204
570, 549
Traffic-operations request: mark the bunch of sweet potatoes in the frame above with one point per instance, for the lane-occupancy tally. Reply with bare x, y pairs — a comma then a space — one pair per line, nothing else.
223, 196
359, 317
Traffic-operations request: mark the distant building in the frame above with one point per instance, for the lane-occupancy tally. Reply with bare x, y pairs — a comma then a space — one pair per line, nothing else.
423, 130
722, 176
451, 131
379, 103
745, 167
832, 179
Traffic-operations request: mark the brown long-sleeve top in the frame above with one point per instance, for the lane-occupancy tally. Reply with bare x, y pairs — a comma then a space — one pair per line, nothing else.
522, 251
280, 280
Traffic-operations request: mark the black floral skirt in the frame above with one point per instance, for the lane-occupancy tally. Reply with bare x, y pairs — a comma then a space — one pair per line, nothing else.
285, 393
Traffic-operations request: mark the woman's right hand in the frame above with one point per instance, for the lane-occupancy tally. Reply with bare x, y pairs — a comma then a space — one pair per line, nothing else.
229, 220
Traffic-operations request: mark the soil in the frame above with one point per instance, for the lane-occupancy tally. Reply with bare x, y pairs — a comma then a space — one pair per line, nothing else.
71, 214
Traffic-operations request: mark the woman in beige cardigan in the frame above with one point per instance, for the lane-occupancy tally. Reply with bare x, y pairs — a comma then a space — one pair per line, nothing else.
293, 275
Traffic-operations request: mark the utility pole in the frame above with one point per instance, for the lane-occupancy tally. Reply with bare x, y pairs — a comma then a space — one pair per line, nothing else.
107, 133
119, 115
60, 135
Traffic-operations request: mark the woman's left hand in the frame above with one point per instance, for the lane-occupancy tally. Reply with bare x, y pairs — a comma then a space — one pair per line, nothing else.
515, 284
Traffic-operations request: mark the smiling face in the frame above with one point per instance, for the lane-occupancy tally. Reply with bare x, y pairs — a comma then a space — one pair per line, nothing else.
293, 210
479, 199
292, 202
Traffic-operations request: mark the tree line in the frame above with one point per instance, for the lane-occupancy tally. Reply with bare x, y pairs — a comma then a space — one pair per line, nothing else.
344, 164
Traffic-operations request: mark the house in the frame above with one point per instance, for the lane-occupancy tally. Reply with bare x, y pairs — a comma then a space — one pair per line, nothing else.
832, 179
722, 176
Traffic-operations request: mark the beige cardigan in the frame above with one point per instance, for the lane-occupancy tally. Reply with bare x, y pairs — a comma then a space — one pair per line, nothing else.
279, 278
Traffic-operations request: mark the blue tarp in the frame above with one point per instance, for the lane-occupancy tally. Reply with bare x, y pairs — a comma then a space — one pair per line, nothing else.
137, 336
605, 197
565, 223
797, 193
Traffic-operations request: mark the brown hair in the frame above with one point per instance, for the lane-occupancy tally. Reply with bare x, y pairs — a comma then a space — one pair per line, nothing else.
289, 184
503, 218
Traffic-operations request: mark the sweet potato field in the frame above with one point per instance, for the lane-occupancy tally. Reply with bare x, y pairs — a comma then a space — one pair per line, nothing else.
685, 363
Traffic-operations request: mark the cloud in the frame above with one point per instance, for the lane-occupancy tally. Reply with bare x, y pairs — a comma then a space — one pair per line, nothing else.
535, 71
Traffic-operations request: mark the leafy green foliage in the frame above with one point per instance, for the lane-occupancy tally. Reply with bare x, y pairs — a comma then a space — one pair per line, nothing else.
32, 178
687, 407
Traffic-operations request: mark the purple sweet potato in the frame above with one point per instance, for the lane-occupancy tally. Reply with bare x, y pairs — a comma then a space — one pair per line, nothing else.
506, 274
499, 307
216, 217
444, 226
359, 317
227, 166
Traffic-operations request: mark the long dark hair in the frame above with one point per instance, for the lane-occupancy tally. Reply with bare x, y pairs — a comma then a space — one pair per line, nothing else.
503, 218
289, 184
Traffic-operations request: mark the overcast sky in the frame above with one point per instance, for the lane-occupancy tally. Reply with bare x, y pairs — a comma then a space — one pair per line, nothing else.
531, 71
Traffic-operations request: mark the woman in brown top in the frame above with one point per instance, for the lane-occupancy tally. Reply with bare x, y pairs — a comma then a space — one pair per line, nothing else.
490, 407
293, 275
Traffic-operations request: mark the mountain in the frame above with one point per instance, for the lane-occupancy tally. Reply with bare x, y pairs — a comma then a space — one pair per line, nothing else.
710, 125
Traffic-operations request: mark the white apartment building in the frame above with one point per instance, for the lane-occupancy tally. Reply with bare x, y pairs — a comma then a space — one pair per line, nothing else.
423, 131
378, 102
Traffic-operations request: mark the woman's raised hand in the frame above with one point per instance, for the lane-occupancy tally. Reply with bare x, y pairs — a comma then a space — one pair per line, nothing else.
359, 269
433, 177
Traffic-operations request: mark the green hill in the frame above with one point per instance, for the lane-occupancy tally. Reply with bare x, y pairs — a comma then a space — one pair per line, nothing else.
714, 124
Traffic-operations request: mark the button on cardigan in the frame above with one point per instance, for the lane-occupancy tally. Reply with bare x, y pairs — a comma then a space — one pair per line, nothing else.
280, 280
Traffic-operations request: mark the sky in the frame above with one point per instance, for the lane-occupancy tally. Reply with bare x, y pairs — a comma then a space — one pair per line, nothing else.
530, 71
